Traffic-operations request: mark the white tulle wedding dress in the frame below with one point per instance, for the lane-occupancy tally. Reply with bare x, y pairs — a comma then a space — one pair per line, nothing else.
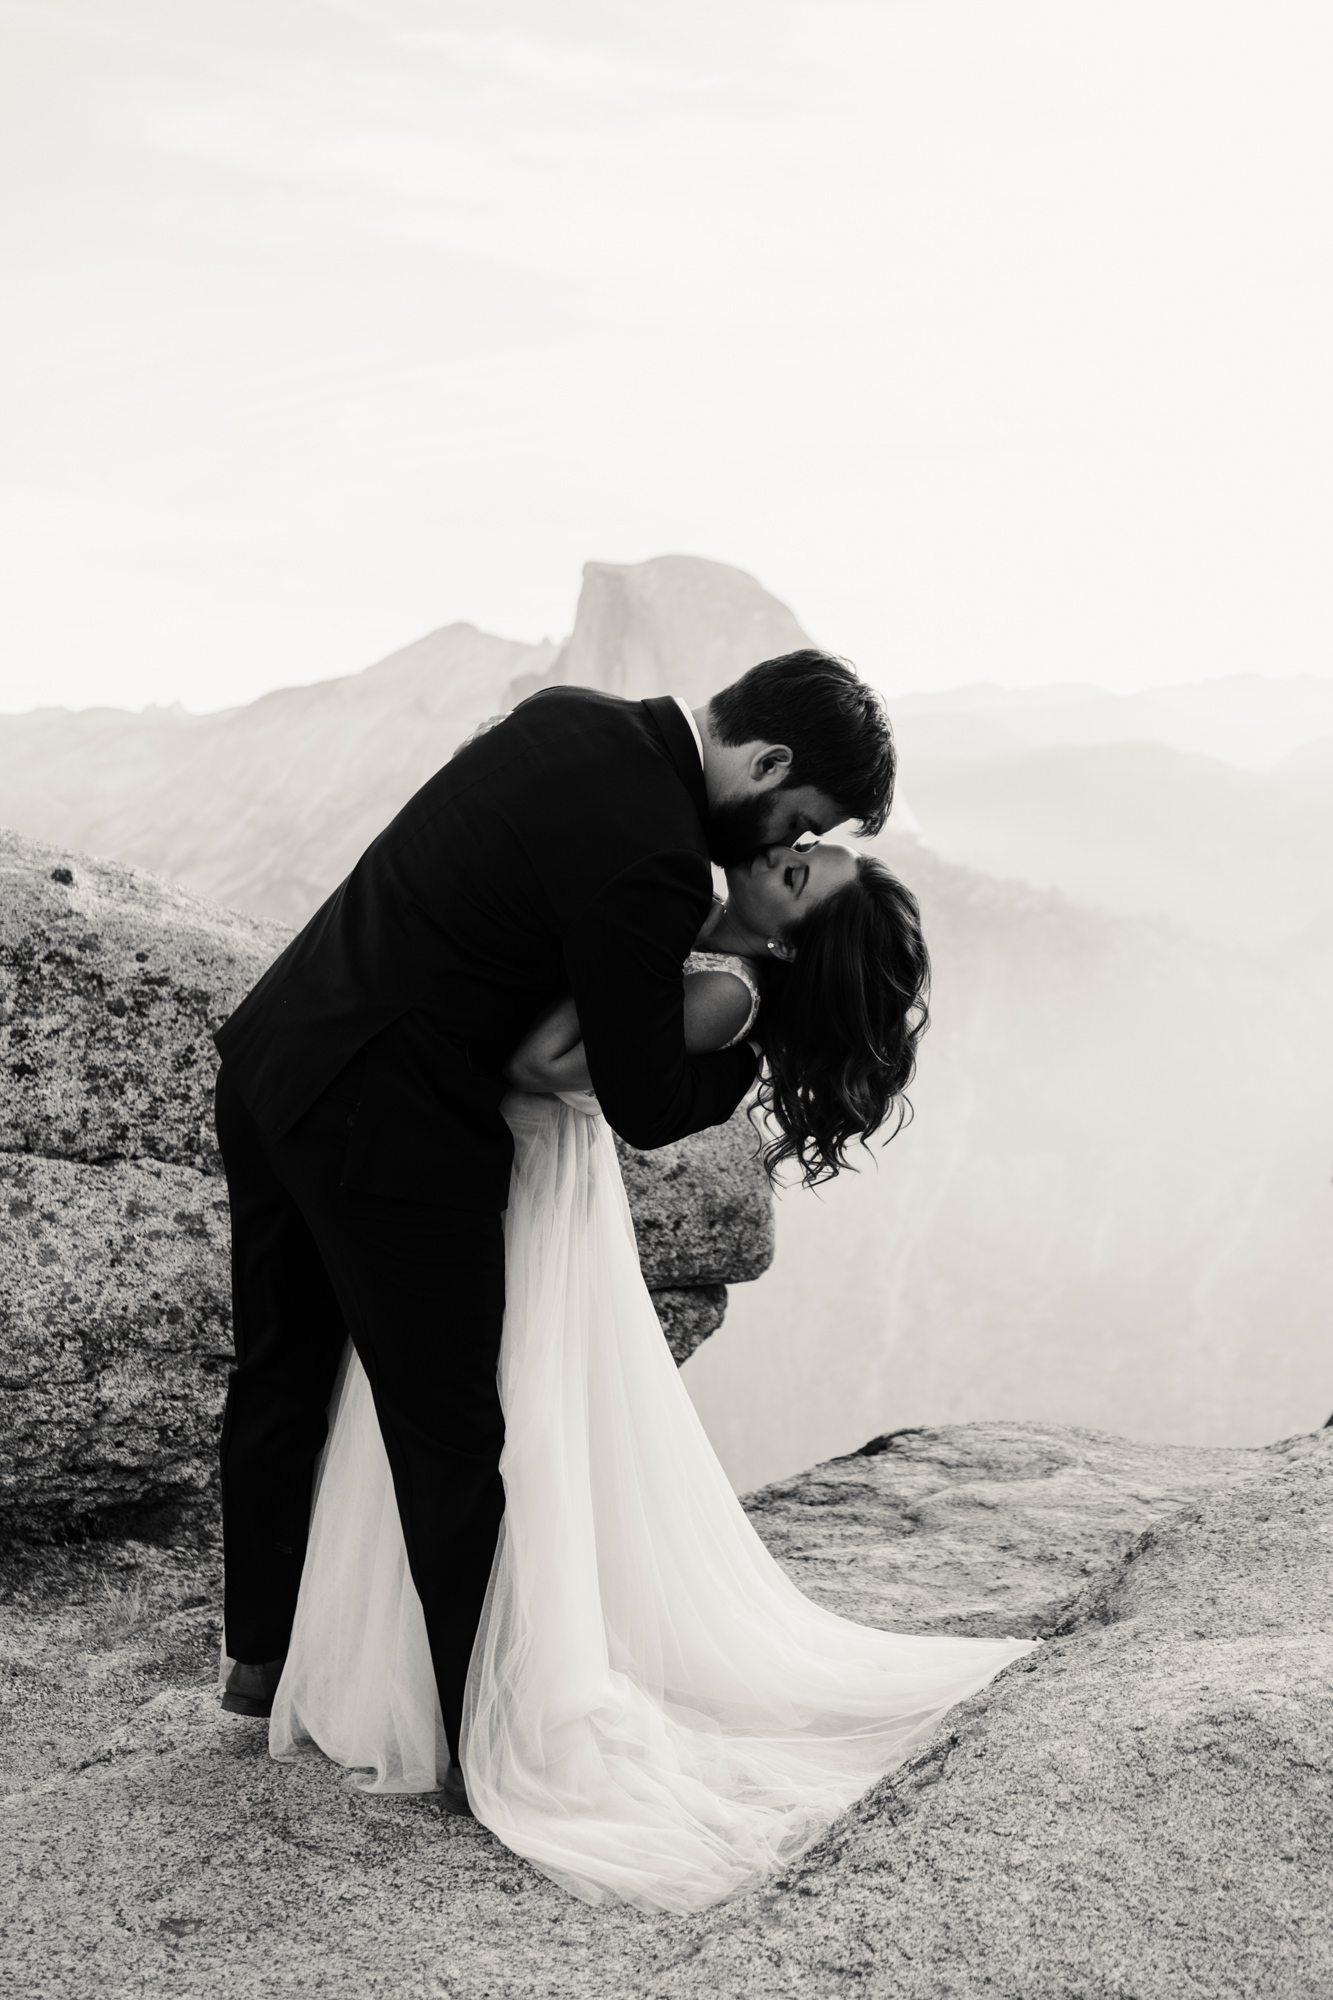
654, 1714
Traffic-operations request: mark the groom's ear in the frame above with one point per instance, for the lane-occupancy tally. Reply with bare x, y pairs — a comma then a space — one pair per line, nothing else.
769, 765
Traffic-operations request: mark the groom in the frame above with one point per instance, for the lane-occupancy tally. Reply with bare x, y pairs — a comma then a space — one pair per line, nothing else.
358, 1103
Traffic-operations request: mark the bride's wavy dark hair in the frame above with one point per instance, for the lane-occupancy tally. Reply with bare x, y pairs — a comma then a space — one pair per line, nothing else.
840, 1024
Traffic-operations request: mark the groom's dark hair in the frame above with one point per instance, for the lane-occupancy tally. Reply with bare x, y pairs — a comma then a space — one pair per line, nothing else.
835, 725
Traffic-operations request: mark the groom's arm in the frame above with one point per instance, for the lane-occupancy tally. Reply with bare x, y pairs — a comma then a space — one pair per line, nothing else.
624, 952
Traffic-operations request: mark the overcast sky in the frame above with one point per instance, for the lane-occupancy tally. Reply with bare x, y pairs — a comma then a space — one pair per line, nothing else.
993, 338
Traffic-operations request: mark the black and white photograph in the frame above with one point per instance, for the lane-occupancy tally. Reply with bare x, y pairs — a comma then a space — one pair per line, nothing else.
666, 1000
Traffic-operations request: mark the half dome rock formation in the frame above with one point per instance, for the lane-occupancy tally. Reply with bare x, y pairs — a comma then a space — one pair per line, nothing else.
115, 1316
672, 625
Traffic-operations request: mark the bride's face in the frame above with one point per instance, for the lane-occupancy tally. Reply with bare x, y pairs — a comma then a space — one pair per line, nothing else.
773, 891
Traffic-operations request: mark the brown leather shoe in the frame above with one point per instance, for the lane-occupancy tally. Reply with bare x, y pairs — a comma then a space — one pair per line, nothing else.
453, 1793
250, 1690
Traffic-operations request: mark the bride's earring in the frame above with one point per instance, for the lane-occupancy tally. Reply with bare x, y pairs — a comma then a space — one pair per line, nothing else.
781, 950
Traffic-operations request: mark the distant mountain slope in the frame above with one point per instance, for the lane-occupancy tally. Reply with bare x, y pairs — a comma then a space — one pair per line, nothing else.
1310, 767
1141, 829
264, 807
1250, 720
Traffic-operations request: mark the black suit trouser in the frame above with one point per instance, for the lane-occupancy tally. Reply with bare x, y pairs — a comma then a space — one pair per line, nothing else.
419, 1287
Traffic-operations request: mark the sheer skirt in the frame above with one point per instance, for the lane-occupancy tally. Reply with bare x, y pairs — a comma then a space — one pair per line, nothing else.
654, 1713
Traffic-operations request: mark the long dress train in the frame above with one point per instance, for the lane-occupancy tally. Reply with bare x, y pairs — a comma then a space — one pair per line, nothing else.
654, 1714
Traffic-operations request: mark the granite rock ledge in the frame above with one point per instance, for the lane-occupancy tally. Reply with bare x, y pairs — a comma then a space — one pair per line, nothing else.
1138, 1810
115, 1322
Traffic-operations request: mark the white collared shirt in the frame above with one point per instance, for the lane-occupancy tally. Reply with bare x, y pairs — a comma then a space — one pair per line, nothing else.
688, 713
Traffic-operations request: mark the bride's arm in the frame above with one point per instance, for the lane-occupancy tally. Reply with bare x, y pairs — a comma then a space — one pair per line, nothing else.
550, 1057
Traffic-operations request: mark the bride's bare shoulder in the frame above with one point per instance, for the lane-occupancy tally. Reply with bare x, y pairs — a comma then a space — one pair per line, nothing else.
721, 1000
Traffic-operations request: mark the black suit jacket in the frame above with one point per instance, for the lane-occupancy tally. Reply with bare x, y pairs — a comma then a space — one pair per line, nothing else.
563, 850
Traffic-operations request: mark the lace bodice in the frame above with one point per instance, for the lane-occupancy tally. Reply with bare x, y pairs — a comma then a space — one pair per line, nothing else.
726, 961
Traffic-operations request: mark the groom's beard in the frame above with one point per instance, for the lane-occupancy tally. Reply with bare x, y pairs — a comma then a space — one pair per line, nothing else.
738, 829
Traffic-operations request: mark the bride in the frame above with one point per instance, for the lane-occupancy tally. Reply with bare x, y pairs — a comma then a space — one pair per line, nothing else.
654, 1713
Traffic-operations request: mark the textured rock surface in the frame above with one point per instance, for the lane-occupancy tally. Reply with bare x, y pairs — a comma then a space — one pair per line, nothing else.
115, 1336
1140, 1811
703, 1213
1014, 1517
689, 1313
114, 1288
111, 984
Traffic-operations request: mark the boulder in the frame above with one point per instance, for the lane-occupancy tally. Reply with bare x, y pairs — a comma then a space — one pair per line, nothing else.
115, 1317
703, 1213
111, 984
